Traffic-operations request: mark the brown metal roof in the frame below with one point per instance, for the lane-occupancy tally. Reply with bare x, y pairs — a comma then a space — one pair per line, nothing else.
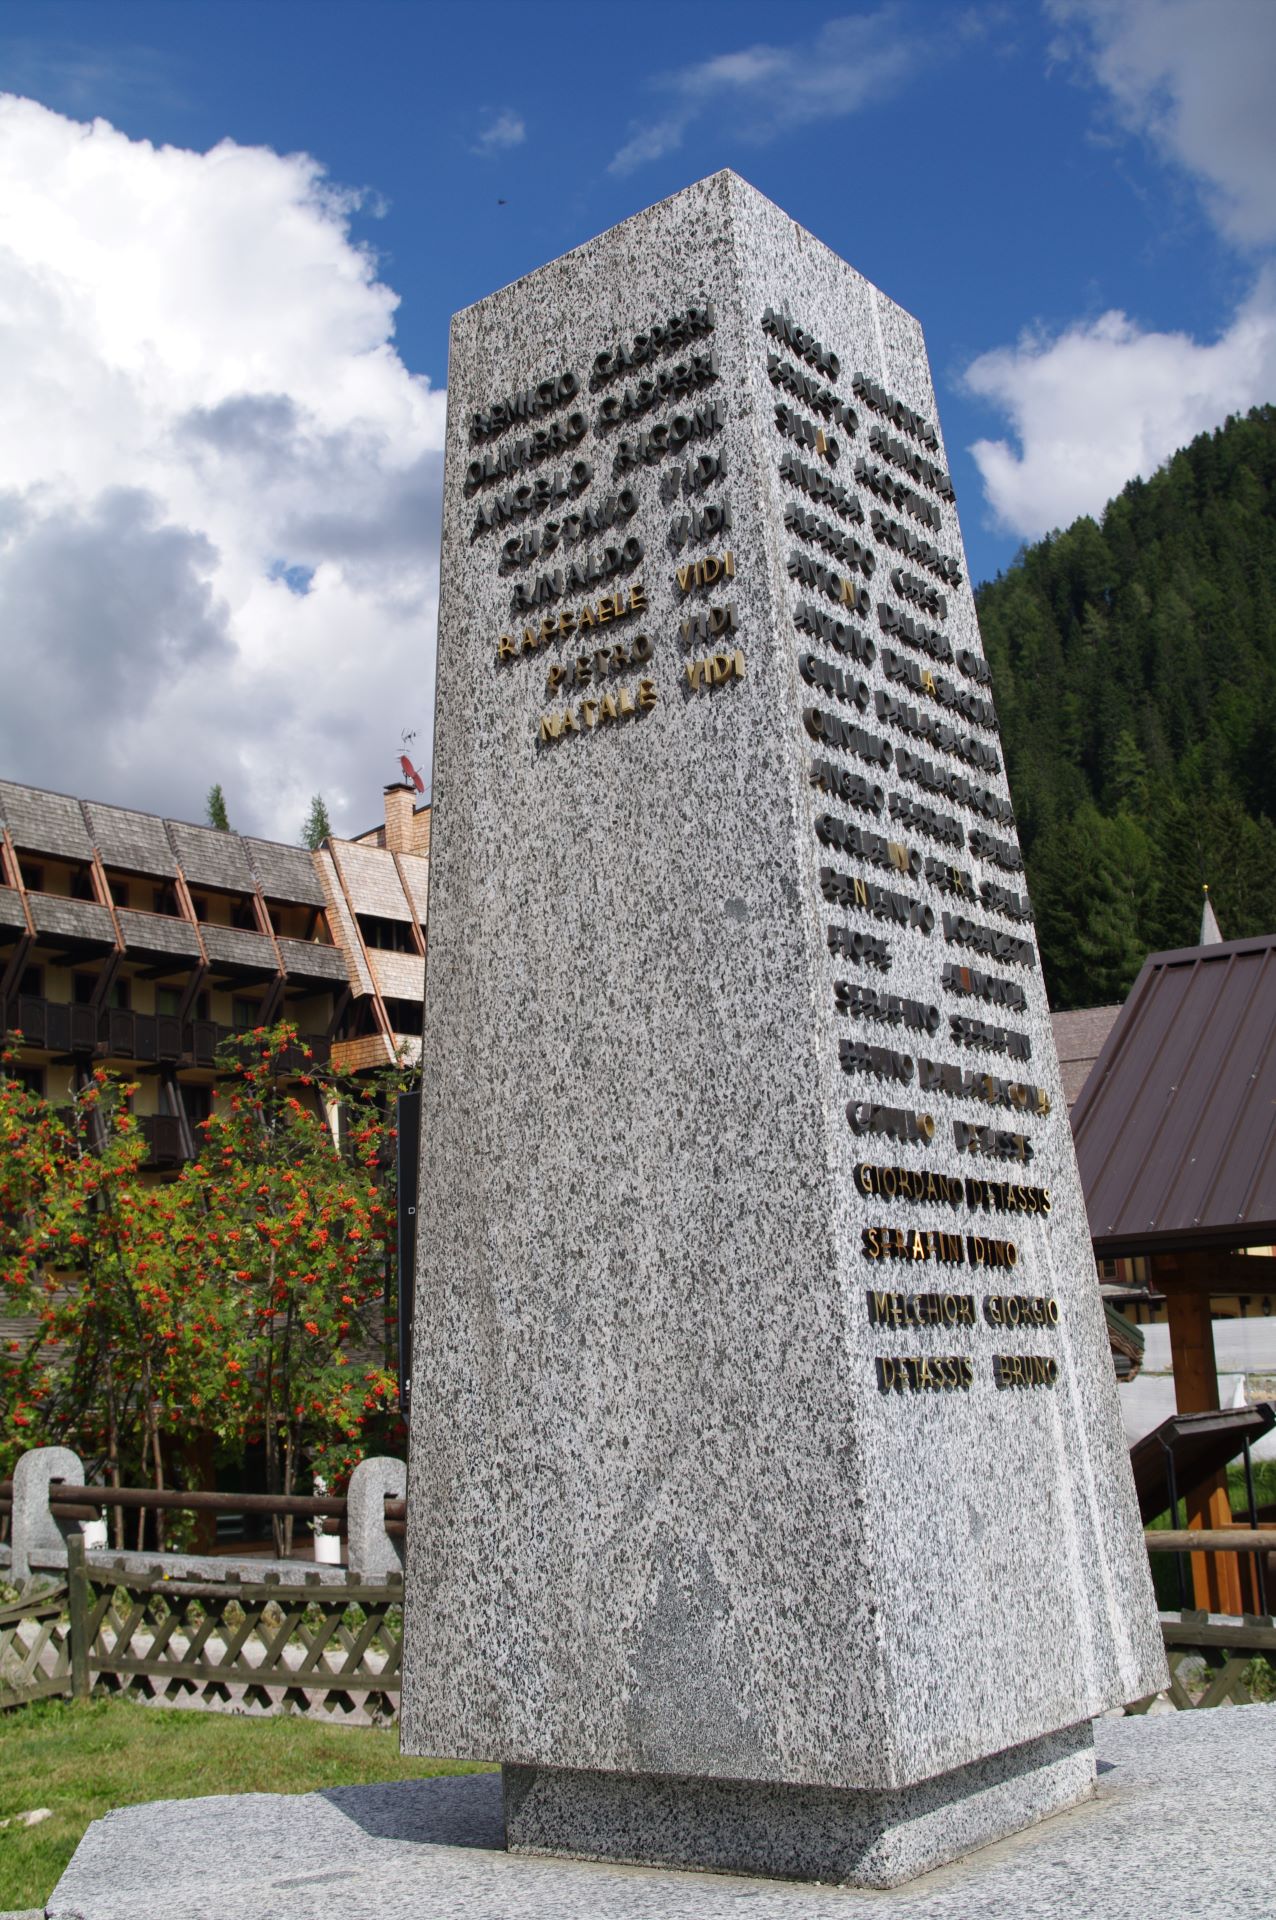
1175, 1128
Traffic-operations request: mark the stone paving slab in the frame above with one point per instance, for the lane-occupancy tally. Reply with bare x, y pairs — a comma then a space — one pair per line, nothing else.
1179, 1827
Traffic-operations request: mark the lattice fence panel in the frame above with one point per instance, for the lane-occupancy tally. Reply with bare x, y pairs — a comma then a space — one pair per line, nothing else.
1216, 1661
329, 1652
35, 1649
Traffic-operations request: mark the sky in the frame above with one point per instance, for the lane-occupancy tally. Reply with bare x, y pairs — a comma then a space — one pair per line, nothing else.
232, 237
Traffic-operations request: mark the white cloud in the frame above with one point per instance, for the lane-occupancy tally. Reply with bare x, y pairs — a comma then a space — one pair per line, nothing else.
219, 485
1196, 76
761, 90
503, 130
1105, 401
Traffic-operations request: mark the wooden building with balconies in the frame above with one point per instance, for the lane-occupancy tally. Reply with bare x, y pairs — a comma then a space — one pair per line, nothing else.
142, 943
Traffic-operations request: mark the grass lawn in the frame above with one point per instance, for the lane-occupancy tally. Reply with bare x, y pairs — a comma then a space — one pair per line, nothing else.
82, 1760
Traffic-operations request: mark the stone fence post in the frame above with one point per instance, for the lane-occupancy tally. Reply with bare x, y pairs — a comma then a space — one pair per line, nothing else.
371, 1553
34, 1529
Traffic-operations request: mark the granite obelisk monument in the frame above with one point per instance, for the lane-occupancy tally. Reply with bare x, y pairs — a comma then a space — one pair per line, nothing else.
769, 1507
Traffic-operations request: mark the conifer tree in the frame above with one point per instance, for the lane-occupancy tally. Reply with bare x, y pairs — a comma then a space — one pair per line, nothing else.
217, 816
317, 826
1134, 671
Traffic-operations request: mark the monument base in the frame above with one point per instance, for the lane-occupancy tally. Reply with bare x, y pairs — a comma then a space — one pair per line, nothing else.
848, 1837
437, 1847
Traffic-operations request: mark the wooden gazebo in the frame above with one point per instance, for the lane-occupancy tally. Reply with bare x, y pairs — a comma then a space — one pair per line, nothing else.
1175, 1133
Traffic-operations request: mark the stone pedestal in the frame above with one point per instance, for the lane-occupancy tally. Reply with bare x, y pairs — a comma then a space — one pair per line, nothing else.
852, 1838
765, 1442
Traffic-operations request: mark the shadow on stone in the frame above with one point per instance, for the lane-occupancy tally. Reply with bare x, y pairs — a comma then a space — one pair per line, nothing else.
451, 1812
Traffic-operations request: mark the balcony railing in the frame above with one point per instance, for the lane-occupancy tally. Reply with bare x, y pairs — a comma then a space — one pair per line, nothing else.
162, 1133
117, 1033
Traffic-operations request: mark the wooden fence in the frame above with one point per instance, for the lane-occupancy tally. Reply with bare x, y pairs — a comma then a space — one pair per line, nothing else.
1213, 1660
332, 1652
35, 1649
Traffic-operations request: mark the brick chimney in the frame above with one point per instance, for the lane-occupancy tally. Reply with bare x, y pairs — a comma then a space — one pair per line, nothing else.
400, 800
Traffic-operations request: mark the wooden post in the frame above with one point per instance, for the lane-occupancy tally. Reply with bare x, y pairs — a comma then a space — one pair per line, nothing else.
77, 1581
1216, 1582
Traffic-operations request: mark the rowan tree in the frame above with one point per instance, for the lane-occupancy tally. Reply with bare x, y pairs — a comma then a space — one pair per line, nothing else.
280, 1245
246, 1297
82, 1243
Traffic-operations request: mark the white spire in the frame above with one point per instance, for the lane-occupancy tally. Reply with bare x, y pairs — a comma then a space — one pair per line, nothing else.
1210, 935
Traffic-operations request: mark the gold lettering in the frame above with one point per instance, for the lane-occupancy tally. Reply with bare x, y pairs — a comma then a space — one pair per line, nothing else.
637, 599
551, 726
625, 702
505, 648
646, 694
607, 709
588, 708
555, 677
694, 669
684, 577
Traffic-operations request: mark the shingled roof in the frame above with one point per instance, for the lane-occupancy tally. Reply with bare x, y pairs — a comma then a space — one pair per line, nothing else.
1175, 1129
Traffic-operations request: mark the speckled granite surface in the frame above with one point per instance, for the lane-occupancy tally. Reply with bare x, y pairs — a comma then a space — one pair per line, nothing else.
665, 1518
798, 1833
429, 1847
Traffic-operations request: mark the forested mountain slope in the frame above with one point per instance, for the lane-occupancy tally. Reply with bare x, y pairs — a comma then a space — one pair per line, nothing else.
1134, 665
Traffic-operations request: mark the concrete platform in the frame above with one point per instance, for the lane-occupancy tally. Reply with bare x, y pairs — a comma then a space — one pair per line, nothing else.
1178, 1827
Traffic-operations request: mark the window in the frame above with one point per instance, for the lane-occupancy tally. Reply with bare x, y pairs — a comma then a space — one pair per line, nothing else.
197, 1100
387, 936
83, 986
82, 884
164, 900
404, 1015
119, 892
33, 877
32, 1078
245, 1013
32, 982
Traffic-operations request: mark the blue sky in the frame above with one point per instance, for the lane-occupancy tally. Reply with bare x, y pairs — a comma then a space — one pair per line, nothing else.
1077, 198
